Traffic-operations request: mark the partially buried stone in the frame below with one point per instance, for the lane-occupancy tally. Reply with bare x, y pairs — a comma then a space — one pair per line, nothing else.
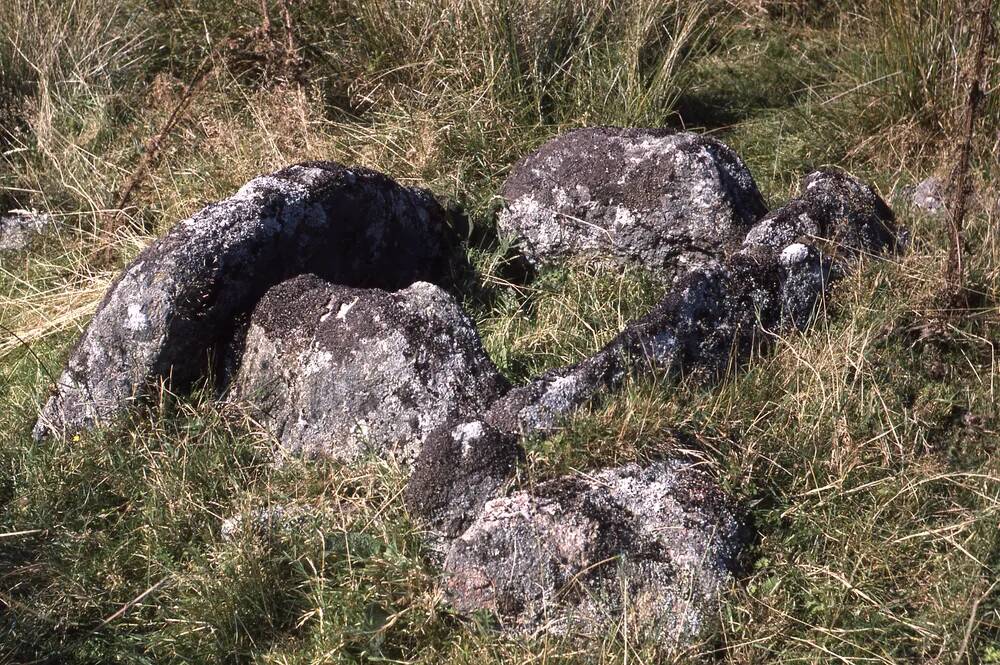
833, 208
651, 545
460, 468
716, 315
664, 200
341, 372
264, 522
713, 317
928, 196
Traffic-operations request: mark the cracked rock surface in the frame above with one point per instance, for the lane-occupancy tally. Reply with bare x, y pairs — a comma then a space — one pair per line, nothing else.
659, 542
181, 296
660, 199
341, 372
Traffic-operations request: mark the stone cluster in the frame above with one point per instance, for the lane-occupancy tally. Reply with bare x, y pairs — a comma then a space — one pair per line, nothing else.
323, 290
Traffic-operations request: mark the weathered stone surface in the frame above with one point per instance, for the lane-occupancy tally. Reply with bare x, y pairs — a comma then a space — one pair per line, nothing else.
843, 214
929, 197
663, 200
341, 372
460, 468
179, 298
656, 543
536, 407
20, 229
716, 315
464, 465
269, 521
712, 319
807, 277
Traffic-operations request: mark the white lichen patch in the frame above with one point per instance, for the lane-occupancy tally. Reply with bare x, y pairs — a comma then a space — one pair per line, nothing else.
345, 308
314, 361
624, 217
135, 319
662, 348
793, 254
19, 228
467, 434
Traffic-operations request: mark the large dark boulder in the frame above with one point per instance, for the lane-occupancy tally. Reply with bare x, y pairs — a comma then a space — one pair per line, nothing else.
653, 546
181, 296
341, 372
659, 199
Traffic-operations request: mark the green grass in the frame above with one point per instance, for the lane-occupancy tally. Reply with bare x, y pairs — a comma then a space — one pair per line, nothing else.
865, 449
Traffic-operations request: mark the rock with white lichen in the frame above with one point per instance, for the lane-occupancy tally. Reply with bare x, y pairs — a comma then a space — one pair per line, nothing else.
341, 372
719, 313
265, 522
928, 196
834, 209
660, 199
649, 546
20, 229
182, 296
713, 318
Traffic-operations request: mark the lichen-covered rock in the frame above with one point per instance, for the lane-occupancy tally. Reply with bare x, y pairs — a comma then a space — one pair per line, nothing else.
654, 544
537, 407
712, 319
717, 314
181, 296
460, 468
807, 277
714, 316
464, 465
341, 372
20, 229
656, 198
835, 209
268, 521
